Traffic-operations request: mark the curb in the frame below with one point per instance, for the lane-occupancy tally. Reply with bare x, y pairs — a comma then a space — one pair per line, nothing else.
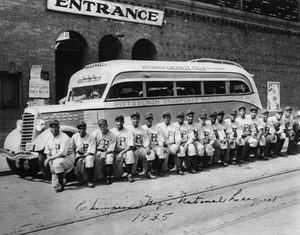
6, 172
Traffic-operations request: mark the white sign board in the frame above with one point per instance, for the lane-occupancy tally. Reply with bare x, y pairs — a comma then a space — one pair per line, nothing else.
112, 10
35, 72
39, 89
273, 96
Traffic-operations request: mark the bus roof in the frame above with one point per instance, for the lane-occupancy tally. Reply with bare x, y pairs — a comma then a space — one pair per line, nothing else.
106, 71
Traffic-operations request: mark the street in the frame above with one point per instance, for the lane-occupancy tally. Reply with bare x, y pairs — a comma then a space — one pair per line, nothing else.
254, 198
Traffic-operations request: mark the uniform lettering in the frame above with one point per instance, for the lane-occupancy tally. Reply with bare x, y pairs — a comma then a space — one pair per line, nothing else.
153, 137
85, 147
57, 147
170, 134
122, 141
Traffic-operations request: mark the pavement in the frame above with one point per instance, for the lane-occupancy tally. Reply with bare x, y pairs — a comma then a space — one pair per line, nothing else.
36, 206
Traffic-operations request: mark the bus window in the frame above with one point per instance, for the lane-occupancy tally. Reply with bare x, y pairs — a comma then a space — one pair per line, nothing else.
87, 92
214, 87
188, 88
239, 87
159, 89
125, 90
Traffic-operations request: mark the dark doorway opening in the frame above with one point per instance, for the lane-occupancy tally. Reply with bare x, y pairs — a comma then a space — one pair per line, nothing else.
144, 49
110, 48
69, 56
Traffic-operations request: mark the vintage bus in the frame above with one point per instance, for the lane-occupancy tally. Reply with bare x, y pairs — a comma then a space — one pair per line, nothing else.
106, 89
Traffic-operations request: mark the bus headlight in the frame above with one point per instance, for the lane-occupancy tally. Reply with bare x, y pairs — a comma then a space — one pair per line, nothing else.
39, 124
19, 125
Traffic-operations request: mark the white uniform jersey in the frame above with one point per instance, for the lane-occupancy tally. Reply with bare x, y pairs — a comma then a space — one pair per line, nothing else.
288, 121
258, 125
219, 131
124, 138
141, 138
279, 125
170, 132
86, 144
236, 128
60, 144
247, 126
227, 128
186, 132
208, 133
155, 135
105, 141
269, 128
196, 127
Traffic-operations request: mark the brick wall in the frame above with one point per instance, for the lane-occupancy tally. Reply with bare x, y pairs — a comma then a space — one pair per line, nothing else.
264, 46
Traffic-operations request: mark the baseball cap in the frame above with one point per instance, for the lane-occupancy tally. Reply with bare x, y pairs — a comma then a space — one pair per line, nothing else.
82, 123
190, 112
119, 117
242, 107
233, 112
148, 115
279, 111
265, 111
166, 114
213, 113
180, 114
288, 108
135, 114
102, 122
253, 108
54, 122
221, 112
203, 115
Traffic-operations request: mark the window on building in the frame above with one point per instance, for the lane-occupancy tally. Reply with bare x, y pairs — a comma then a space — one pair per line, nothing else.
159, 89
126, 90
10, 90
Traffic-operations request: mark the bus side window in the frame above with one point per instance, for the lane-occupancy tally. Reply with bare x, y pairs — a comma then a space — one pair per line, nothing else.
239, 87
188, 88
125, 90
159, 89
214, 87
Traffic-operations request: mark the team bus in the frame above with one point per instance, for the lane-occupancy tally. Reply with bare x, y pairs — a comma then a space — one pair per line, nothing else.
106, 89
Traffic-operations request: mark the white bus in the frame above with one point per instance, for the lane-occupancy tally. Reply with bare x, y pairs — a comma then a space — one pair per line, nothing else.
106, 89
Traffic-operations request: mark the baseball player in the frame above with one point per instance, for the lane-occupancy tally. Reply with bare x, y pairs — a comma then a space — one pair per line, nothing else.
220, 138
259, 130
105, 153
156, 142
236, 143
288, 118
208, 138
141, 147
269, 133
279, 126
123, 150
197, 132
60, 155
84, 146
172, 140
249, 133
187, 139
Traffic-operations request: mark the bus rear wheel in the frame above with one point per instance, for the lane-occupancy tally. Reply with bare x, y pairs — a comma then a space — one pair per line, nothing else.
24, 167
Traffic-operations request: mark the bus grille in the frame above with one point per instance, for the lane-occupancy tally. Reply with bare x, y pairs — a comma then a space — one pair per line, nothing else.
27, 130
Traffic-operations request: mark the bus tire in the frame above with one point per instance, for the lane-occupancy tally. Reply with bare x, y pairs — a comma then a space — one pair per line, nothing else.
24, 167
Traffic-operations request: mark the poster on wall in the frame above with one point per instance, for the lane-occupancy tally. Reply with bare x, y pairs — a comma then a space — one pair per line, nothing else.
273, 89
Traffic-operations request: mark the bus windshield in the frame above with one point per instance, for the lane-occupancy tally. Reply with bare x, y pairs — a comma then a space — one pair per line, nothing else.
87, 92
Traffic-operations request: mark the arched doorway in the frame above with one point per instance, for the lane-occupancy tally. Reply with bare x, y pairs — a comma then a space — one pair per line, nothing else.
144, 49
69, 55
110, 48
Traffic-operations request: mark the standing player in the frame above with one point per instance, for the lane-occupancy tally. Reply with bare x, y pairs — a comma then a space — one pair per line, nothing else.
156, 142
105, 144
84, 146
172, 140
208, 139
124, 149
197, 132
249, 133
142, 146
187, 139
60, 155
290, 134
269, 133
279, 126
